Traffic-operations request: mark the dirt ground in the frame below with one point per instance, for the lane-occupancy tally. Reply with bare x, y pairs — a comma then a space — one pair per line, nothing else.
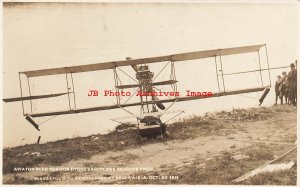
211, 149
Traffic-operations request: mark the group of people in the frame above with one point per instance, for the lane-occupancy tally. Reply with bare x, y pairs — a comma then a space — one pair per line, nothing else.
286, 86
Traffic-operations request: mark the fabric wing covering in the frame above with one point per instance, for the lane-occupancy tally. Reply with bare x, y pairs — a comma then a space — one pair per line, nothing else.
174, 58
187, 98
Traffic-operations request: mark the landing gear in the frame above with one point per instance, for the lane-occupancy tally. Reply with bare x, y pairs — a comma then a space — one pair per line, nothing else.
152, 127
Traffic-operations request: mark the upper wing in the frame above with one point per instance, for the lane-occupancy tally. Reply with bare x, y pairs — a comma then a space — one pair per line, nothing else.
174, 57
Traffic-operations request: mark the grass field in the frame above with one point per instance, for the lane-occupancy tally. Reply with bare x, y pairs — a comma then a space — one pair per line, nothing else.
214, 148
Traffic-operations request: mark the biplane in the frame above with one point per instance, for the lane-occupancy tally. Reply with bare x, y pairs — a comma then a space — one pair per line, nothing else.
152, 108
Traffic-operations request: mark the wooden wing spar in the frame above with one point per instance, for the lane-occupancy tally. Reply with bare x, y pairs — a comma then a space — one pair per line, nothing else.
7, 100
132, 62
179, 99
154, 84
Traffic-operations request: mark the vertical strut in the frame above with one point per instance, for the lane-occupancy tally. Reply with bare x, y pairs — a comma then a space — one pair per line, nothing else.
21, 93
171, 75
268, 64
216, 65
174, 76
142, 102
222, 70
114, 70
74, 96
119, 81
147, 104
116, 85
68, 90
262, 83
29, 94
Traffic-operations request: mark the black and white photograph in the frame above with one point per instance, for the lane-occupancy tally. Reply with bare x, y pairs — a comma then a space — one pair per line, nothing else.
160, 93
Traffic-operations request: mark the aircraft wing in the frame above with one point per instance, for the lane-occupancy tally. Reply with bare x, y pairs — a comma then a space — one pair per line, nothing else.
133, 62
7, 100
179, 99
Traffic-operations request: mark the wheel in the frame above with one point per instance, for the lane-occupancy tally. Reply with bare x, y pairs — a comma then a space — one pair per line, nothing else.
159, 137
167, 134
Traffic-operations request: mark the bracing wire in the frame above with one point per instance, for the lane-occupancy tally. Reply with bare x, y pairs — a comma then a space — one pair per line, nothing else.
174, 117
160, 71
160, 90
127, 74
47, 120
257, 80
34, 103
248, 97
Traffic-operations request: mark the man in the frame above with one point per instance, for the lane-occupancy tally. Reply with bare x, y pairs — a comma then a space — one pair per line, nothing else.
277, 89
292, 79
284, 89
287, 92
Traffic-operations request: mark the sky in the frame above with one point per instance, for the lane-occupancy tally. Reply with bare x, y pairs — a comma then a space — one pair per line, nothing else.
48, 35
